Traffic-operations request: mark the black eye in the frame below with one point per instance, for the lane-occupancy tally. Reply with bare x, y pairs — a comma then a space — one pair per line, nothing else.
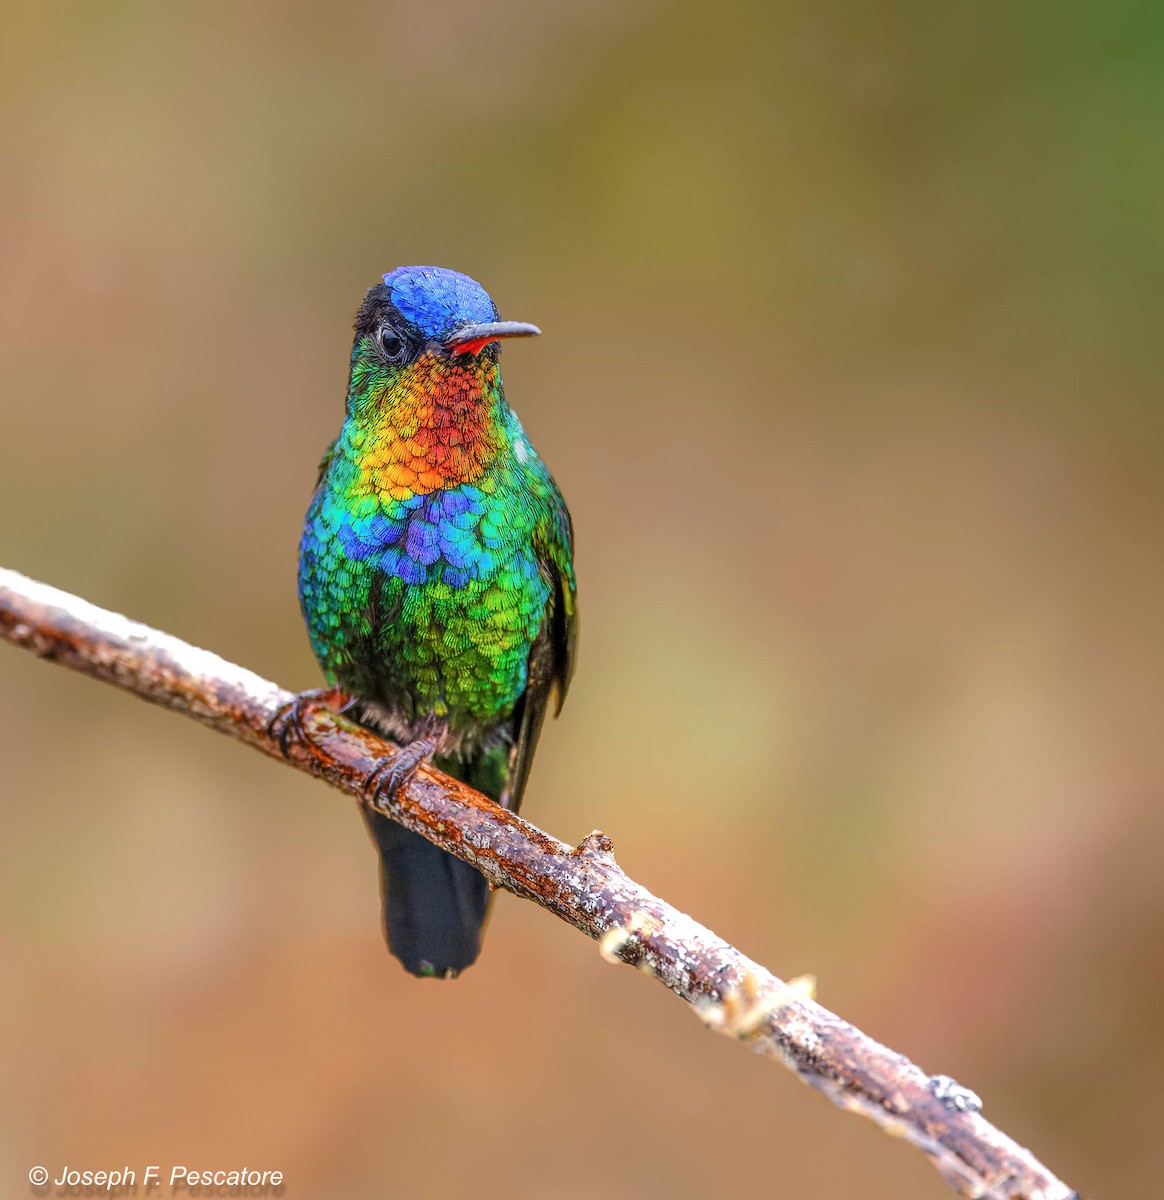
391, 344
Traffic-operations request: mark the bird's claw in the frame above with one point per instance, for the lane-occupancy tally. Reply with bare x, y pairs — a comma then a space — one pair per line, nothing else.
287, 724
391, 775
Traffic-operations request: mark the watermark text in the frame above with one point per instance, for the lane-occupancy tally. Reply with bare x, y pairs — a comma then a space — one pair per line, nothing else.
177, 1181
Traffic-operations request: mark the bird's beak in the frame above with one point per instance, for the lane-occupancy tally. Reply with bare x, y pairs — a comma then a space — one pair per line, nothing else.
472, 339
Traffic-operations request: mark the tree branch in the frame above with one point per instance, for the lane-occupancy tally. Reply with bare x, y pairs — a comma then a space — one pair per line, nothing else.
581, 884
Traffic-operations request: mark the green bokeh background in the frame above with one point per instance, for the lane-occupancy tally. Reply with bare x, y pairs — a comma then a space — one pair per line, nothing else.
851, 375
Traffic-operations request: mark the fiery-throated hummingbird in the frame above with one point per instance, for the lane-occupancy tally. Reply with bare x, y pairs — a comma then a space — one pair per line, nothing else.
436, 578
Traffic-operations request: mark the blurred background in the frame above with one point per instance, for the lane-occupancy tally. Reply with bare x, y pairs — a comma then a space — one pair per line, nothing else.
851, 376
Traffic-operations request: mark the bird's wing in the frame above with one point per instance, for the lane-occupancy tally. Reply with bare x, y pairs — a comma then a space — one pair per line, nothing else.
551, 659
324, 463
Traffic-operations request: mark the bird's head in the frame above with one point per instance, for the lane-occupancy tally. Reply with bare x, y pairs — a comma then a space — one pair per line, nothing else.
428, 336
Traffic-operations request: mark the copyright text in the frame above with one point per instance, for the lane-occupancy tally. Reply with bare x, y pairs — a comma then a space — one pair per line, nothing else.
179, 1181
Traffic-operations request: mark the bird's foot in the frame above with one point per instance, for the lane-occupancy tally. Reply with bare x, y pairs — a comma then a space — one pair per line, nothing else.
391, 775
287, 724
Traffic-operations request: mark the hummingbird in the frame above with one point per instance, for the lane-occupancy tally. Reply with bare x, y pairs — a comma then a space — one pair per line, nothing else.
436, 580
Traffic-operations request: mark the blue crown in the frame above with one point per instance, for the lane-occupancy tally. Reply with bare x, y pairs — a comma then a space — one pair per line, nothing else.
438, 301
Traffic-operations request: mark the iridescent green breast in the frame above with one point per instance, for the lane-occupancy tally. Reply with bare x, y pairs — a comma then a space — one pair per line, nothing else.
430, 604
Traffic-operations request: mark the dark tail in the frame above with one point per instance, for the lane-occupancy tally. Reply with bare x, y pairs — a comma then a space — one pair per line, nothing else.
434, 904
